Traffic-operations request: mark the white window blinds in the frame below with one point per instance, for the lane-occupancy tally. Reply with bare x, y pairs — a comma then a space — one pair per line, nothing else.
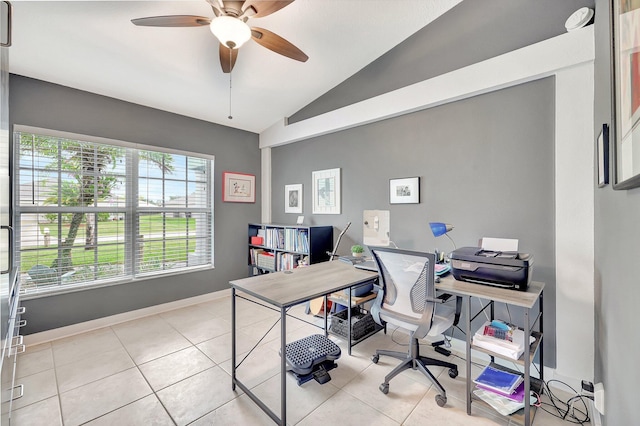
91, 213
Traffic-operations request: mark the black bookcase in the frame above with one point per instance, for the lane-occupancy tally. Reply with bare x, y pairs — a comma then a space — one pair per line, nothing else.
284, 246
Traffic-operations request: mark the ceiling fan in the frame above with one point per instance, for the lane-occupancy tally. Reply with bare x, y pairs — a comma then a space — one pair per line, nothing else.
230, 27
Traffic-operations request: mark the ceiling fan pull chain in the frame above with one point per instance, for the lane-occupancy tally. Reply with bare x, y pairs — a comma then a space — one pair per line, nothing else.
230, 54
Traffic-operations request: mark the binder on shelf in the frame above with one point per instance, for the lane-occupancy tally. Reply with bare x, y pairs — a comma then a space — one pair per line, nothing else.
499, 380
517, 395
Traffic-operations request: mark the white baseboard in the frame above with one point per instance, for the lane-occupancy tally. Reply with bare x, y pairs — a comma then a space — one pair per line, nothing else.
83, 327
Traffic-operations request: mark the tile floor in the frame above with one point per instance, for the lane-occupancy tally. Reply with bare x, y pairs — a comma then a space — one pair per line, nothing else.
174, 369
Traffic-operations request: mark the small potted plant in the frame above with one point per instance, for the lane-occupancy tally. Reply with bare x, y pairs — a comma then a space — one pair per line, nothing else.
357, 250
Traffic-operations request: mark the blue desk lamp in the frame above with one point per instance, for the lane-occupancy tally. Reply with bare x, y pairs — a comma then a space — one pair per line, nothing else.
438, 229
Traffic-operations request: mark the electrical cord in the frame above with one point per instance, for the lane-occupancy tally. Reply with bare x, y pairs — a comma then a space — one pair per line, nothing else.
565, 410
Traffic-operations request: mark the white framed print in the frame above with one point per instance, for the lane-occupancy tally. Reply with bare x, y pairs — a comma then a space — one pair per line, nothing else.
293, 198
326, 191
404, 190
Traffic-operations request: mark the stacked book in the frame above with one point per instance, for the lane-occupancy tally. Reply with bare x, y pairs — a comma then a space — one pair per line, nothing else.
503, 339
504, 383
503, 390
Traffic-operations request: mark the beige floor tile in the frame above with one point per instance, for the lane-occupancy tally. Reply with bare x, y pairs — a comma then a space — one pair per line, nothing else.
403, 394
346, 410
204, 329
32, 362
454, 413
170, 369
186, 315
71, 349
45, 412
192, 398
95, 399
254, 313
240, 411
218, 349
260, 365
149, 338
37, 387
92, 368
218, 307
301, 400
38, 347
145, 411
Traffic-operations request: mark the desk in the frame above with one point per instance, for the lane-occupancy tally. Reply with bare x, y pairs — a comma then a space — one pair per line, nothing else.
283, 290
525, 299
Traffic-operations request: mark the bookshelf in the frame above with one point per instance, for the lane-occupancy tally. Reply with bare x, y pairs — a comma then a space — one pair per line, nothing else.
279, 247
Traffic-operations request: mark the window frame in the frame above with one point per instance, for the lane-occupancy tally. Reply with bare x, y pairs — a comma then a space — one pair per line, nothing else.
131, 211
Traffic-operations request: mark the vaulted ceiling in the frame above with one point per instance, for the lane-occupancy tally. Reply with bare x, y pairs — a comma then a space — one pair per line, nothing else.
93, 46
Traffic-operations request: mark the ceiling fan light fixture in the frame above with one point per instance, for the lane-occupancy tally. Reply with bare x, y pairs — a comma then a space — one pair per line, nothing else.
230, 31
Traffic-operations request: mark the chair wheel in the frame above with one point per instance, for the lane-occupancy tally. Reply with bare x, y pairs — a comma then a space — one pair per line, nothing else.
453, 373
375, 359
441, 400
384, 388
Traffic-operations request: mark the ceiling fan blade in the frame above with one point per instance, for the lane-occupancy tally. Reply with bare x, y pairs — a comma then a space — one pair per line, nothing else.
277, 44
265, 7
172, 21
227, 58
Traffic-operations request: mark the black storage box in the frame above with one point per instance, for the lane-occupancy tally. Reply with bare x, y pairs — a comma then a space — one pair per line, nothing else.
501, 269
361, 324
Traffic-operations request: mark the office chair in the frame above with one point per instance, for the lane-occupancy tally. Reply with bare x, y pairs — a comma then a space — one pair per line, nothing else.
408, 300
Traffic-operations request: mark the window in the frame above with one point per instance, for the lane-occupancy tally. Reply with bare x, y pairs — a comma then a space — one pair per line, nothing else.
93, 212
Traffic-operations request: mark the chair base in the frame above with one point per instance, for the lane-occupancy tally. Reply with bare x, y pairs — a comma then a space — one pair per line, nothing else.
415, 361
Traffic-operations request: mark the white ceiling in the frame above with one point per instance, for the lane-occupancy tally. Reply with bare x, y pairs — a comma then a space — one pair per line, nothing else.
93, 46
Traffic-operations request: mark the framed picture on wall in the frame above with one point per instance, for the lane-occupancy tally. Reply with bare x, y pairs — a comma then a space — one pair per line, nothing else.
626, 93
404, 190
238, 187
293, 198
326, 191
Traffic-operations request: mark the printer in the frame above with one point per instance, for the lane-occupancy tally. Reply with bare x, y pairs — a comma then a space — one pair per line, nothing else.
501, 269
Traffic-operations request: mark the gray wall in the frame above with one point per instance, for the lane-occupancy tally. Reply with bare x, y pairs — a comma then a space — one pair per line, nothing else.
40, 104
469, 33
617, 250
486, 165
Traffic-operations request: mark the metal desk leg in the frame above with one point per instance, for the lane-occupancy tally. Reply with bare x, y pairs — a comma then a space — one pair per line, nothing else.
233, 338
349, 321
283, 367
468, 332
527, 369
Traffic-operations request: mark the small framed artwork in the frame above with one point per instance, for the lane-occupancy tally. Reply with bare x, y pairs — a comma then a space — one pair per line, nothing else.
238, 187
404, 190
293, 198
326, 191
602, 154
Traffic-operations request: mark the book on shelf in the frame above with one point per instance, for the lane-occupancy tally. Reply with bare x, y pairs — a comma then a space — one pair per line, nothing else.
509, 349
517, 395
497, 380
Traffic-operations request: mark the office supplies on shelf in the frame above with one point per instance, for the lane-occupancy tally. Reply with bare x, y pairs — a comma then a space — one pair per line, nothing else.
511, 349
504, 406
517, 395
502, 269
499, 380
442, 269
367, 265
